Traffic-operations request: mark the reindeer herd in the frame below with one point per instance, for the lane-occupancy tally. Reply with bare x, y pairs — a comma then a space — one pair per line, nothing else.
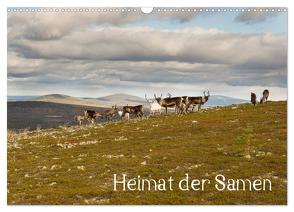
181, 104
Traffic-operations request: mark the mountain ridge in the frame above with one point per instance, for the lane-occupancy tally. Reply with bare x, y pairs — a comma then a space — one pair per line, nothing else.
124, 99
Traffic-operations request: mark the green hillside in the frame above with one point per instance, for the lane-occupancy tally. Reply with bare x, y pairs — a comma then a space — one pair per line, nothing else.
75, 165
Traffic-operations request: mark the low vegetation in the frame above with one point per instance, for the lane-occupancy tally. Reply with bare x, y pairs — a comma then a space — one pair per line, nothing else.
75, 165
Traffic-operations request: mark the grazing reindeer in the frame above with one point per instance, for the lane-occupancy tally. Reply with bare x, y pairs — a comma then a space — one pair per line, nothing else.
80, 119
91, 115
154, 106
253, 98
137, 110
197, 100
264, 97
110, 112
169, 102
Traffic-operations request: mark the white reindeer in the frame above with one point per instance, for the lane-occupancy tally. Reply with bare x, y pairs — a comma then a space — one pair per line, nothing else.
120, 113
126, 116
153, 106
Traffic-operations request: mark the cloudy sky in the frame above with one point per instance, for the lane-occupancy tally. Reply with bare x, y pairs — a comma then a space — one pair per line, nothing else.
96, 53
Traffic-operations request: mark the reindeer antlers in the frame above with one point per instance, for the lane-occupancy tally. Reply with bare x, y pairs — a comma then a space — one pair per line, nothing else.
157, 97
204, 92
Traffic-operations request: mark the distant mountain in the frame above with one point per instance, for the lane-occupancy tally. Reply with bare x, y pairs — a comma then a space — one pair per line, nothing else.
64, 99
106, 101
218, 100
123, 99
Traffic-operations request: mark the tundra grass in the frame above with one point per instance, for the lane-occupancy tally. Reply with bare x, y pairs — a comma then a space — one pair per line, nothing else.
75, 165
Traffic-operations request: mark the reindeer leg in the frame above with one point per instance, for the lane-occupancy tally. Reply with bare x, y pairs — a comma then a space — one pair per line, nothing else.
187, 108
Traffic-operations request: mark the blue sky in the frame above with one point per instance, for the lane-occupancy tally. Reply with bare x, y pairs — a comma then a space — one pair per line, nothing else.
224, 21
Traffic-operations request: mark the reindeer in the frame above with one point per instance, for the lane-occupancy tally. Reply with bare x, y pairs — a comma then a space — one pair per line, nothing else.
137, 110
169, 102
91, 115
80, 119
182, 106
253, 98
108, 114
120, 113
197, 100
154, 106
264, 97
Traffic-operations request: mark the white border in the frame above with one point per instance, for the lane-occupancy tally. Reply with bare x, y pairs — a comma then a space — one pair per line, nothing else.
137, 3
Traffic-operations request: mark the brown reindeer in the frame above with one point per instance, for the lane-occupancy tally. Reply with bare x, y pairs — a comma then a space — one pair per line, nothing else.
169, 102
197, 100
136, 110
108, 114
253, 98
264, 97
91, 115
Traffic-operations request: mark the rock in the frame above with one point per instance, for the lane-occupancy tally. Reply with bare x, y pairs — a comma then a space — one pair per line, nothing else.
144, 163
55, 167
147, 156
248, 156
52, 184
269, 153
260, 153
81, 168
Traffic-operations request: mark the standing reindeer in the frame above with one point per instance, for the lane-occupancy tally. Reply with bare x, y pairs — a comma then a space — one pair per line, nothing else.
182, 106
264, 97
80, 119
108, 114
169, 102
197, 100
136, 110
253, 98
91, 115
154, 106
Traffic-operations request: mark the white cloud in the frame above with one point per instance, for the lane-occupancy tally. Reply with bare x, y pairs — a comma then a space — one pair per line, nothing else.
82, 54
